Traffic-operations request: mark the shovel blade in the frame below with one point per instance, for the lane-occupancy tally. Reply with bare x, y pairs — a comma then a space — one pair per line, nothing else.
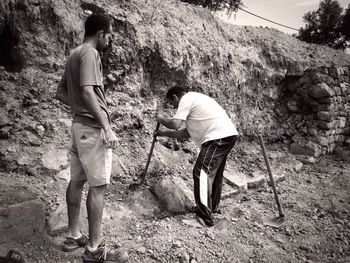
275, 222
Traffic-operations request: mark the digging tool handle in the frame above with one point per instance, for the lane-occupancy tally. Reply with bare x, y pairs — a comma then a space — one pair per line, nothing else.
271, 177
150, 153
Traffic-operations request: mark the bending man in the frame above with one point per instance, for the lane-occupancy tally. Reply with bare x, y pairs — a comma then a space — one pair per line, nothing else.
210, 127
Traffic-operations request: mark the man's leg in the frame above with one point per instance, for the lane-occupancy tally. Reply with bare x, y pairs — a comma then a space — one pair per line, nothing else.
73, 197
217, 186
224, 149
95, 250
95, 205
202, 183
75, 239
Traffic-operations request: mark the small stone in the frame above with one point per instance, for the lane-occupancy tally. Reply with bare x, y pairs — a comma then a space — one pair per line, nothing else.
88, 12
177, 244
111, 78
298, 166
210, 234
40, 130
192, 223
141, 250
184, 257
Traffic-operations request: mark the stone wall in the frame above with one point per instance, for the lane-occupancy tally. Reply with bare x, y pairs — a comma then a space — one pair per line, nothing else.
314, 110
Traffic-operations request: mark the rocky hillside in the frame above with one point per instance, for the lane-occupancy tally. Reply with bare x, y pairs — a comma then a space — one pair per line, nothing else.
157, 44
295, 94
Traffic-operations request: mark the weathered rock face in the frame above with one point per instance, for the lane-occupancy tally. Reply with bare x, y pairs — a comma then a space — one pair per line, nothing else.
42, 31
315, 110
156, 46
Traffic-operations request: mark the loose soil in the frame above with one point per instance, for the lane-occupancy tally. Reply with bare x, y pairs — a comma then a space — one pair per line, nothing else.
316, 203
158, 45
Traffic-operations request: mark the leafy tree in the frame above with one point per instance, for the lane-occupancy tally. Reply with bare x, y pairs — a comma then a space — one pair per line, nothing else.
345, 26
323, 25
217, 5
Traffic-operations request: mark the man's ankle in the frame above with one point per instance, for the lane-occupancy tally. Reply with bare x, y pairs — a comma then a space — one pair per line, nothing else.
75, 235
93, 246
91, 249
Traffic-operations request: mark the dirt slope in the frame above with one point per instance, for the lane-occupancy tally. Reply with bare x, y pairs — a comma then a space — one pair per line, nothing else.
158, 44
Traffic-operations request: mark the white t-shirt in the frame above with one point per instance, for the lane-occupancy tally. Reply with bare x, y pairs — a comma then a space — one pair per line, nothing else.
205, 119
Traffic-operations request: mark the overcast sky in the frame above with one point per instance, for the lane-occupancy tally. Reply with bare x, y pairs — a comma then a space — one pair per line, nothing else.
286, 12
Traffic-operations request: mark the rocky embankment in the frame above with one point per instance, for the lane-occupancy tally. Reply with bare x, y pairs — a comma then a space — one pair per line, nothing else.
314, 111
295, 94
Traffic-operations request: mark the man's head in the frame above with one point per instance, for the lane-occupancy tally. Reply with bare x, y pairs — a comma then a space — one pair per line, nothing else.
99, 27
174, 95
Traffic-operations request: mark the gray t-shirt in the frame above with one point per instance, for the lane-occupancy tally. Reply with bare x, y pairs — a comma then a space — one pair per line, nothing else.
84, 68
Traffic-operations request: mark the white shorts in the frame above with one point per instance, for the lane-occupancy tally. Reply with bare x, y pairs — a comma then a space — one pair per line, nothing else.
91, 160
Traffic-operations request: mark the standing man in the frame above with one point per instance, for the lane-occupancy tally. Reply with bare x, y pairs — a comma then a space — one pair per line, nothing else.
82, 89
210, 127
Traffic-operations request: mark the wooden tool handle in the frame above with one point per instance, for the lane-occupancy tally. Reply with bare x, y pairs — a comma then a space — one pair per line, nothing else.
150, 152
271, 177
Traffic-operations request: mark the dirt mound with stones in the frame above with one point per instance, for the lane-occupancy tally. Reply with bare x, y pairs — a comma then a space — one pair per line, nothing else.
263, 78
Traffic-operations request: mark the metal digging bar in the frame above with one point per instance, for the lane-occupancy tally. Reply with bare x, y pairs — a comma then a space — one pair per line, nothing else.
275, 222
143, 176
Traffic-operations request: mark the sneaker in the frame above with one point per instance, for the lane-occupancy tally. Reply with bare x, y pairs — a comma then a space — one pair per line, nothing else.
217, 211
207, 221
102, 255
71, 243
194, 209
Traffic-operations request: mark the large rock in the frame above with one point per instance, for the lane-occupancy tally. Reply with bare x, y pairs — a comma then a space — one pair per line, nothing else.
174, 194
305, 148
145, 203
237, 180
321, 90
57, 221
21, 214
325, 125
63, 175
54, 159
325, 116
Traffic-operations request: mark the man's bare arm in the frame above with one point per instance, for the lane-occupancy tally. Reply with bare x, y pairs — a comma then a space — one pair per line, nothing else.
91, 102
180, 134
173, 124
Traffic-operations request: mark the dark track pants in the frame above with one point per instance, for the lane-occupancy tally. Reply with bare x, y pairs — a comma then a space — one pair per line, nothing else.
208, 174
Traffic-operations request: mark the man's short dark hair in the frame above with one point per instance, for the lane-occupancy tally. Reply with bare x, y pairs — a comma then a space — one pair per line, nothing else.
177, 90
95, 23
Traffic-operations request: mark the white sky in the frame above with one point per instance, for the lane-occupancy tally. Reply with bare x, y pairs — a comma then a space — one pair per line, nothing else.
286, 12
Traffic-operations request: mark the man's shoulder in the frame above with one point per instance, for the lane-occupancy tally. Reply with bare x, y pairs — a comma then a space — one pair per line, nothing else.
83, 50
196, 96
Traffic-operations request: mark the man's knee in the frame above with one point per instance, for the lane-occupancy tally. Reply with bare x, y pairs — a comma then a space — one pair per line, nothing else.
98, 190
76, 184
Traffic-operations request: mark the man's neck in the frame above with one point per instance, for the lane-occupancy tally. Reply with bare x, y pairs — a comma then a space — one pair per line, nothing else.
90, 41
182, 94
